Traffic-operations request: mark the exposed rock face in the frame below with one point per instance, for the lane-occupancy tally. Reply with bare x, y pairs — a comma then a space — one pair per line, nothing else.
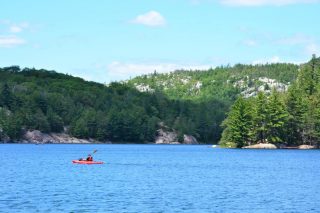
267, 85
166, 137
261, 146
189, 139
38, 137
171, 137
306, 147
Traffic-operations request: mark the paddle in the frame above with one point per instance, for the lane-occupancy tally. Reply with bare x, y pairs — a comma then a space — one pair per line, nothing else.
94, 151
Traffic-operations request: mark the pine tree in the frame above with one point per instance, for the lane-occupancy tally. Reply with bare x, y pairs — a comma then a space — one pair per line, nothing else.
311, 122
79, 129
276, 119
238, 125
14, 127
309, 76
55, 121
260, 117
296, 105
6, 97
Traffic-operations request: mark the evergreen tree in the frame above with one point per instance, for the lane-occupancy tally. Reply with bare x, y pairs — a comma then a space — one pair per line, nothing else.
14, 127
311, 122
296, 105
260, 117
102, 130
79, 129
277, 118
309, 76
239, 124
6, 97
55, 121
3, 123
40, 122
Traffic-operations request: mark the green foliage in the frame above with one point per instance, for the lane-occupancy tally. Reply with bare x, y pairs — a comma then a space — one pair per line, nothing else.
238, 124
191, 102
296, 104
52, 102
292, 117
55, 121
260, 117
10, 125
6, 99
276, 118
309, 76
215, 84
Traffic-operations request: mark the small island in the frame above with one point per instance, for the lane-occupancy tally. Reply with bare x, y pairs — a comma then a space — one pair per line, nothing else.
280, 119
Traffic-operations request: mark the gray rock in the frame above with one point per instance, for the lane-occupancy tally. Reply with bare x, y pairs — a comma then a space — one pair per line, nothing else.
306, 147
36, 136
189, 139
261, 146
166, 137
171, 137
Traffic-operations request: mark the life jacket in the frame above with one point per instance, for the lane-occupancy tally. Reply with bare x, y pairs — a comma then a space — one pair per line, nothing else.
89, 158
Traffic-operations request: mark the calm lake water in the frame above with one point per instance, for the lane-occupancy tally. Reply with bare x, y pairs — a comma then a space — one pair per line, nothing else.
158, 178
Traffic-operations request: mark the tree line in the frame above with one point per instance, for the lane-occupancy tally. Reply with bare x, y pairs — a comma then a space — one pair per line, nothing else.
291, 118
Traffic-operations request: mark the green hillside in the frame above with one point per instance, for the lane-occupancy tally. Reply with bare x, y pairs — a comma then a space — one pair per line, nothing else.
190, 102
48, 101
221, 83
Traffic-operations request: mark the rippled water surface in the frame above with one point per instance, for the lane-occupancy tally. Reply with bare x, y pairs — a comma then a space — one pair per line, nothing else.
157, 178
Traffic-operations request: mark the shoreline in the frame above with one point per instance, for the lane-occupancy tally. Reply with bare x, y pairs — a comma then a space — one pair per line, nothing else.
98, 143
212, 146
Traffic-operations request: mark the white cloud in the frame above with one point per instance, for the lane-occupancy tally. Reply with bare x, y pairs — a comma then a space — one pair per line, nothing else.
151, 19
265, 2
123, 71
14, 27
17, 28
11, 41
272, 60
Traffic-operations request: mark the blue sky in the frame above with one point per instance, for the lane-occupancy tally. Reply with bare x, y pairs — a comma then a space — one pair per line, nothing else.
107, 41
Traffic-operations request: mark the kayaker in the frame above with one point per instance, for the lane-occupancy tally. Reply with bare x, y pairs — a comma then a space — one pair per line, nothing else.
89, 158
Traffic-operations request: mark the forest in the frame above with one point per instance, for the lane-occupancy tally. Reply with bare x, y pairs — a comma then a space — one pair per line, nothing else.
48, 101
52, 102
290, 118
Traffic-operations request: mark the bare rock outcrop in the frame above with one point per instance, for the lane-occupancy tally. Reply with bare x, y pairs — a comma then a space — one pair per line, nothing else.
189, 139
171, 137
166, 137
306, 147
261, 146
36, 136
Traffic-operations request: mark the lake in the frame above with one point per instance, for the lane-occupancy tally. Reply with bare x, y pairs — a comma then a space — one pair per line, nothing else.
157, 178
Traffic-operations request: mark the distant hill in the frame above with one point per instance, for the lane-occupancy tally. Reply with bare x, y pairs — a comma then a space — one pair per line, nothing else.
221, 83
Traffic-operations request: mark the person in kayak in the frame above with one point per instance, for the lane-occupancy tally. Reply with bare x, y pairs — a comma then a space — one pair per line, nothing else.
89, 158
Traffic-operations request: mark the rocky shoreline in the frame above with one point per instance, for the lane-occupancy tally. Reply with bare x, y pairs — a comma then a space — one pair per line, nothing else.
37, 137
272, 146
171, 137
163, 137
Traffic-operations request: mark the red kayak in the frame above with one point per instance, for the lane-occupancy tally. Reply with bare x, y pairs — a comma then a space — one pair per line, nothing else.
87, 162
